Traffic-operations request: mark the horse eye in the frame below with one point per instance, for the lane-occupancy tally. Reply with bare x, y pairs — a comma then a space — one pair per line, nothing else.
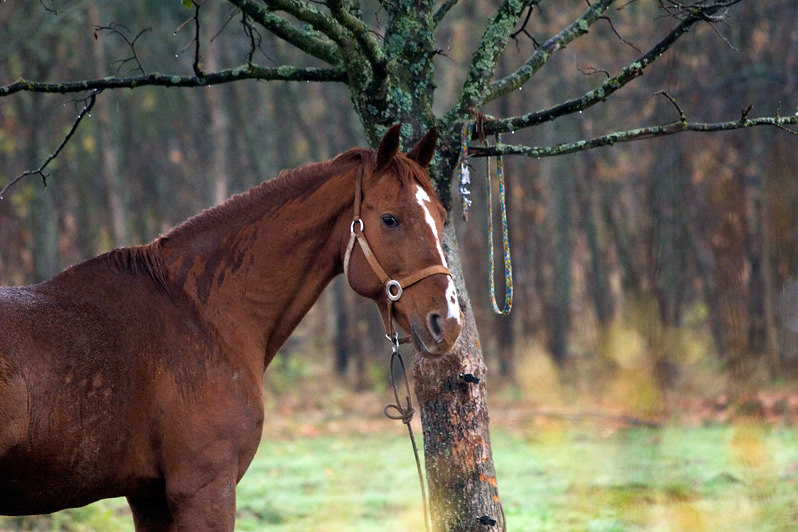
390, 221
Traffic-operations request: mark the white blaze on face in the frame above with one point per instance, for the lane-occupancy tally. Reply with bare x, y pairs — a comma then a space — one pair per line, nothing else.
451, 294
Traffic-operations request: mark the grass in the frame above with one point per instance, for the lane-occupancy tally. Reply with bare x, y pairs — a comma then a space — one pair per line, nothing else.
553, 475
708, 478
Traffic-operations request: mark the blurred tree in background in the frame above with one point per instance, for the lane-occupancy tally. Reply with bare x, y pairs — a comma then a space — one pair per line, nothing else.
637, 267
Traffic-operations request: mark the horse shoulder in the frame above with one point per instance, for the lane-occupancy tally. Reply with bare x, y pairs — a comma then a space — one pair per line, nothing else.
14, 418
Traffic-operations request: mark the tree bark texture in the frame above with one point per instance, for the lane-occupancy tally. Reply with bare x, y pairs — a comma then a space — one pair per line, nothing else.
461, 477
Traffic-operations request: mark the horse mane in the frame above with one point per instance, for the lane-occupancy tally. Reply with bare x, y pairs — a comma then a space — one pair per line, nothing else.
244, 208
254, 203
240, 209
139, 259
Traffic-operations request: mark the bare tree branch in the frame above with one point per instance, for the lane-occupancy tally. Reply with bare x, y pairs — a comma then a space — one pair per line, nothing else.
681, 10
120, 30
196, 64
368, 42
600, 93
541, 56
40, 171
682, 116
442, 11
320, 21
50, 9
491, 46
633, 135
514, 35
282, 73
612, 27
312, 43
254, 36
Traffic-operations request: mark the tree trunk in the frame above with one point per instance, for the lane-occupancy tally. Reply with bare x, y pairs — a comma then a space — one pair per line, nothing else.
461, 477
343, 345
219, 127
588, 197
454, 413
108, 147
762, 336
560, 324
44, 213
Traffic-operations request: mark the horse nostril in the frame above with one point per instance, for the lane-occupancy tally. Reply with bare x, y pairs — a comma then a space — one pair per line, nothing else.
434, 325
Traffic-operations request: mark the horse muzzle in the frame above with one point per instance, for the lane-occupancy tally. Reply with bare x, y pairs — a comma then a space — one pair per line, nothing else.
435, 335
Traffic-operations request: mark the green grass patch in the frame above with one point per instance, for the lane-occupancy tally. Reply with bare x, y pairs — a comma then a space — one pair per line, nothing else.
555, 477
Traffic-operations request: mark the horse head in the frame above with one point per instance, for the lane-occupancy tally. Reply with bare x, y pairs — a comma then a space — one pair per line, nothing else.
395, 256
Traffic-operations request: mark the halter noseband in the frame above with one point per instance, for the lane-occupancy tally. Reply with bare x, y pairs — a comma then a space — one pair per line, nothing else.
393, 288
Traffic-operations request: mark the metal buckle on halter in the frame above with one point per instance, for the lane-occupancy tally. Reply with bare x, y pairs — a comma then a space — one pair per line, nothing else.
394, 339
352, 226
389, 286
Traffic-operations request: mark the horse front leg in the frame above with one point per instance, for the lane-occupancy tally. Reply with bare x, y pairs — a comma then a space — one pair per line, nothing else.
151, 514
203, 502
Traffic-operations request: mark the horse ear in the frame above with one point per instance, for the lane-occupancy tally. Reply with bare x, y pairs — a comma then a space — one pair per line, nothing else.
423, 152
389, 146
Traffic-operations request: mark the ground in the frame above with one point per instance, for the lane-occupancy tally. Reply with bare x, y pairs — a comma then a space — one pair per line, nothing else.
329, 460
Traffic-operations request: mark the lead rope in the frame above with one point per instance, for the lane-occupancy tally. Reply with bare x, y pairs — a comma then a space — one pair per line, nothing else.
405, 415
470, 128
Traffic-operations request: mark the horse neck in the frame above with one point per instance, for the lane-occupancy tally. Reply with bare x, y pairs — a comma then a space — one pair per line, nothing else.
254, 266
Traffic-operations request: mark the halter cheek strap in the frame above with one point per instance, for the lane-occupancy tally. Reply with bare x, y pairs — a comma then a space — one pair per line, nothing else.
393, 288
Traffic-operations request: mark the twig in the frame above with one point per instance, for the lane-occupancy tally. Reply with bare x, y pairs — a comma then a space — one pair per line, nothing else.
682, 117
612, 27
781, 126
114, 28
486, 56
589, 71
40, 171
195, 66
592, 97
255, 38
542, 55
308, 41
50, 9
232, 14
522, 29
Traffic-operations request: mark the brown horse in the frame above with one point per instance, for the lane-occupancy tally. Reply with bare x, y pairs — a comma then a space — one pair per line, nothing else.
139, 373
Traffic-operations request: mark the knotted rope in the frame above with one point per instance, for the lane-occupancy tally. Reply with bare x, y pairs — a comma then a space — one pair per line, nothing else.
404, 413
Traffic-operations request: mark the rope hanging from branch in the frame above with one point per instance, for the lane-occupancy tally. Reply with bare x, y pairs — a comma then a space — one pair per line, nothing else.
470, 129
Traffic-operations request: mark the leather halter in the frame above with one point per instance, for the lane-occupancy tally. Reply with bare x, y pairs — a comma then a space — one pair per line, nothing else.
393, 288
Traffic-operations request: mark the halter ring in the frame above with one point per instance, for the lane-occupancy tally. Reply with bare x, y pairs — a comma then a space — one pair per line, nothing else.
393, 295
352, 226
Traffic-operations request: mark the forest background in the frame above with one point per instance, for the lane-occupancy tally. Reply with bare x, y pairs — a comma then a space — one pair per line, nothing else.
686, 246
653, 279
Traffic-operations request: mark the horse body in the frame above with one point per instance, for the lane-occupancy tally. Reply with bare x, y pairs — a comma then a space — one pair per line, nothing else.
82, 388
111, 384
139, 373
